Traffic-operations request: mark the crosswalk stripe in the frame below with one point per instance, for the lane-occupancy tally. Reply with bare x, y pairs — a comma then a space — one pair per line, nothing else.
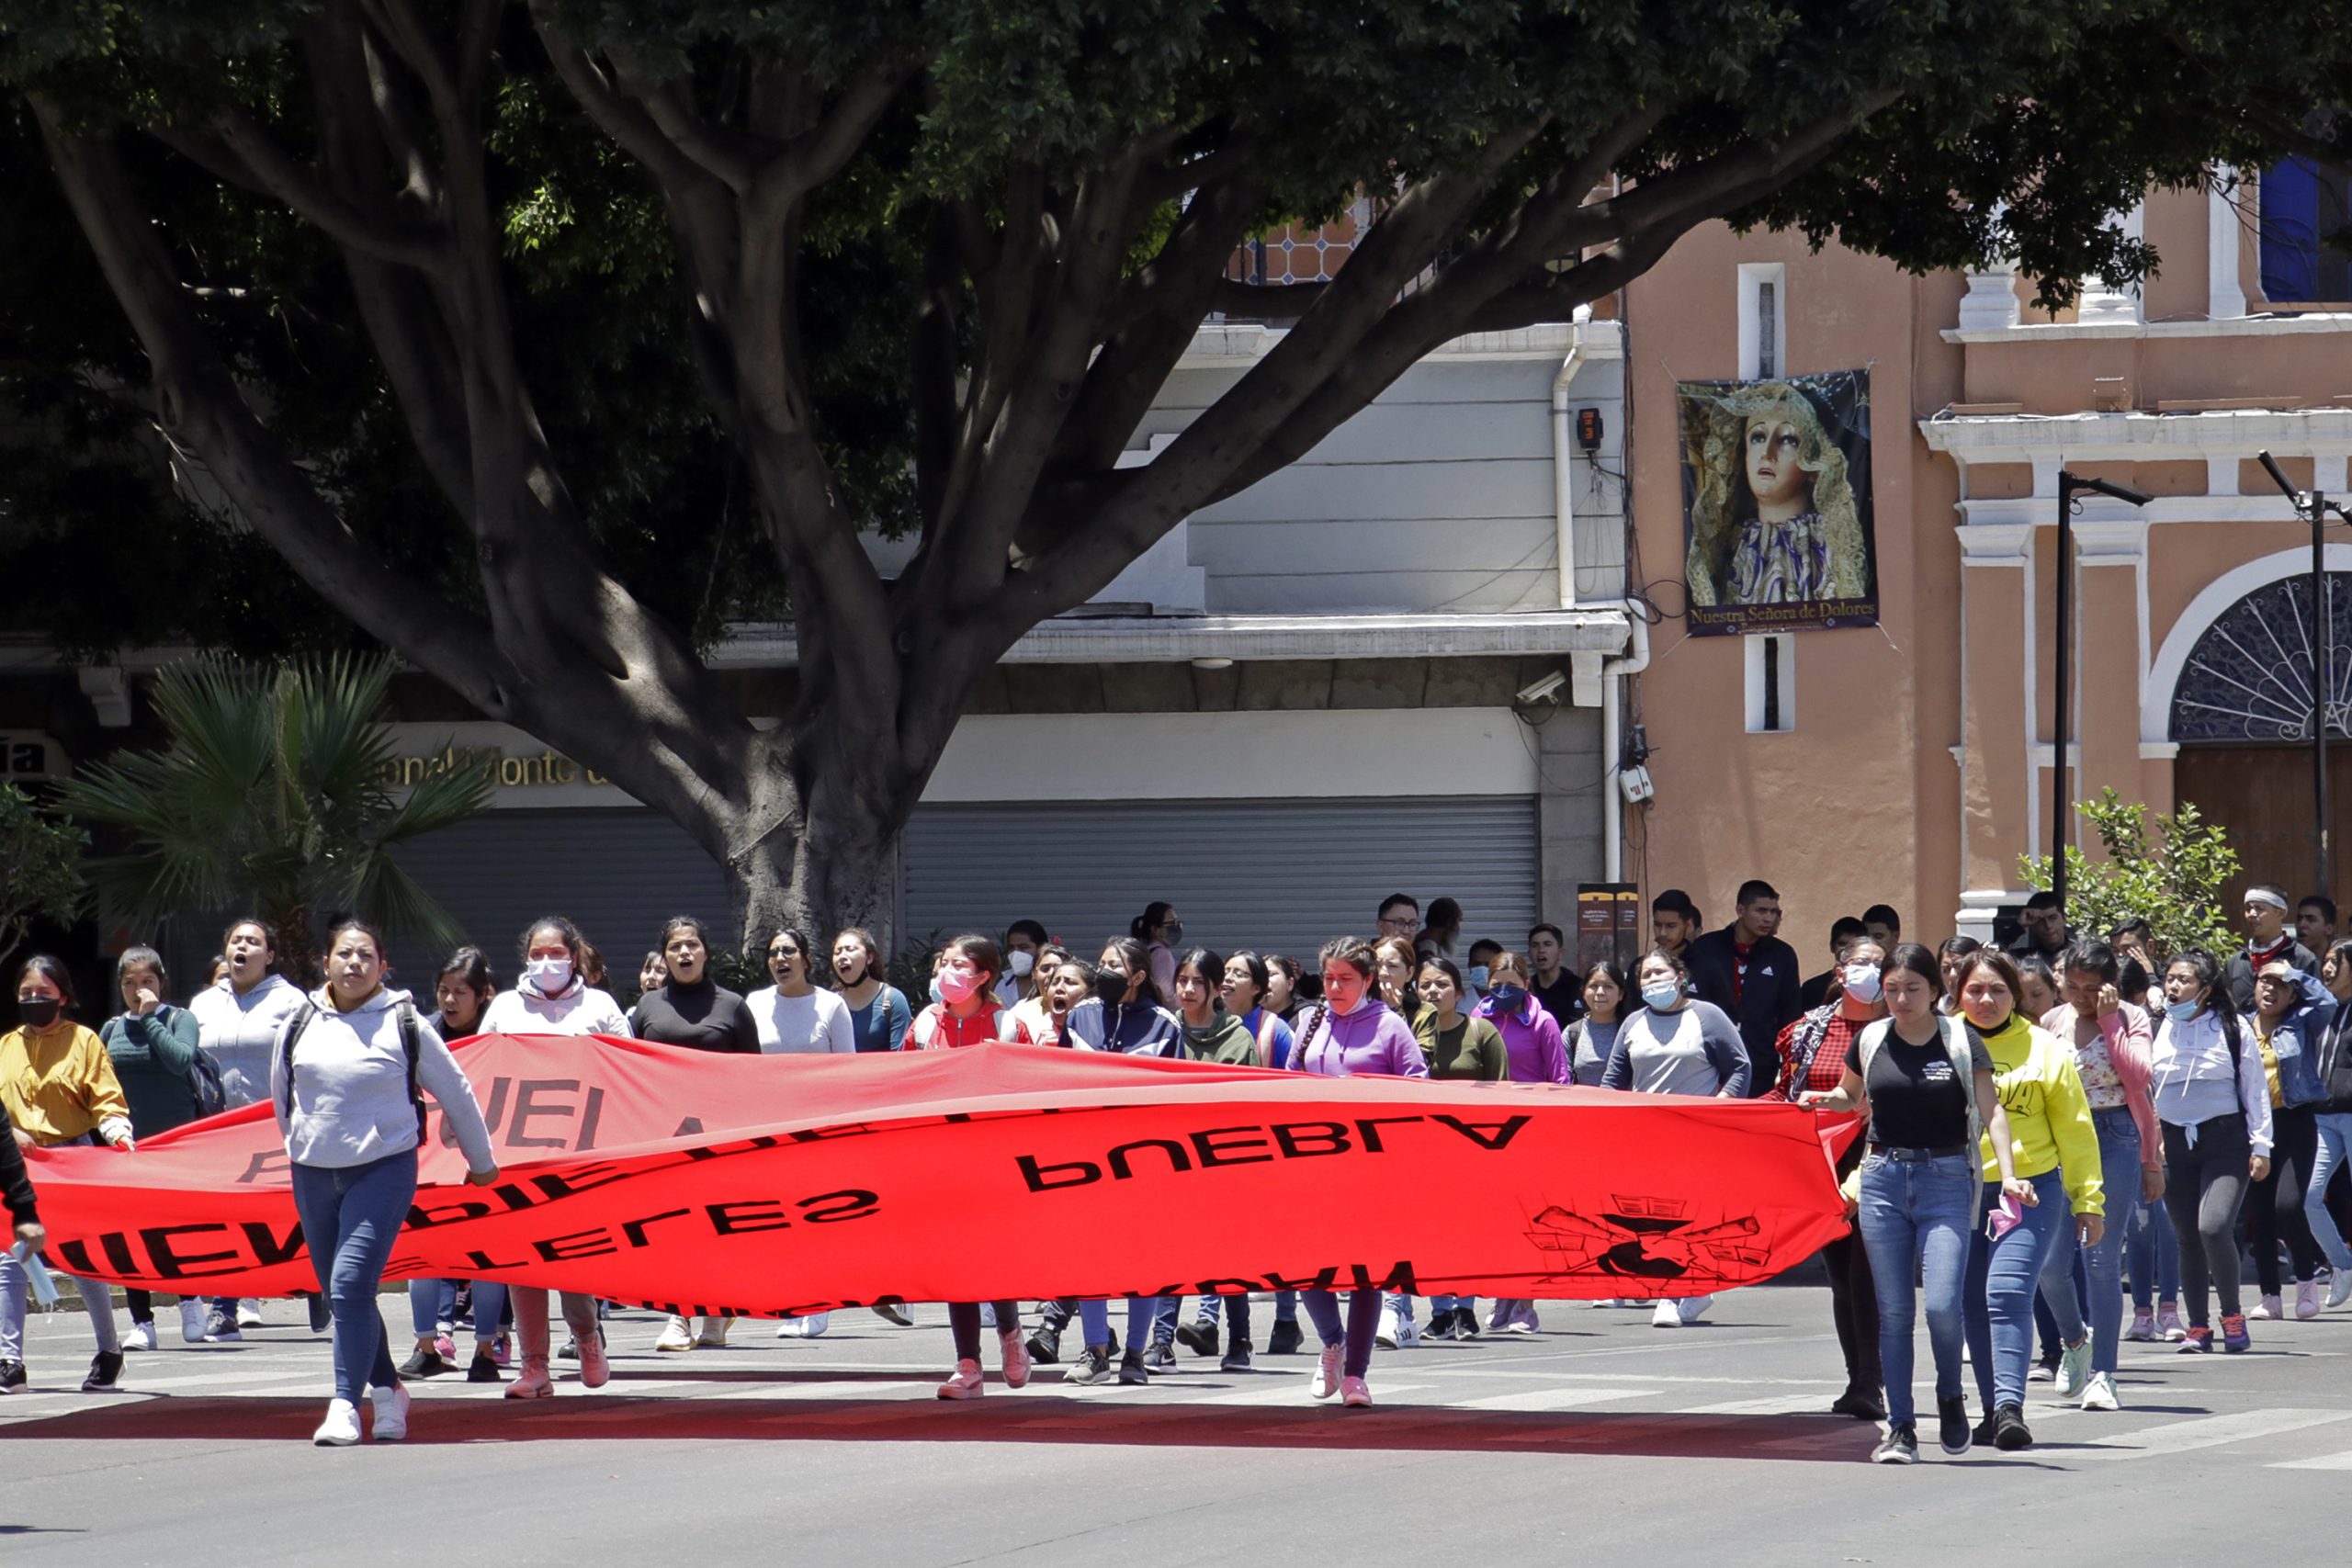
2317, 1461
2210, 1431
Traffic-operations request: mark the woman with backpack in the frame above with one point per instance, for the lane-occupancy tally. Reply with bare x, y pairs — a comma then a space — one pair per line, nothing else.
158, 1059
57, 1087
2212, 1100
1926, 1083
344, 1080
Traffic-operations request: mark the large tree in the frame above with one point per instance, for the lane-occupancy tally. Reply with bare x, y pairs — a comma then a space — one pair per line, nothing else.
538, 338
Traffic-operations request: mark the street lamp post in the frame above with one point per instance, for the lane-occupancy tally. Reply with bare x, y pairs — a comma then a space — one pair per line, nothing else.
2062, 801
2313, 506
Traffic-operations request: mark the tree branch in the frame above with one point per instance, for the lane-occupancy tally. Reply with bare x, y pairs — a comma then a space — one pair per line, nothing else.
250, 146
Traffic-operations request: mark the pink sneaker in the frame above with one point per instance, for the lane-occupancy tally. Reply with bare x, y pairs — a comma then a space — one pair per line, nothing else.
2143, 1328
445, 1346
534, 1383
501, 1349
2169, 1322
966, 1384
1017, 1359
2307, 1300
1327, 1373
1352, 1391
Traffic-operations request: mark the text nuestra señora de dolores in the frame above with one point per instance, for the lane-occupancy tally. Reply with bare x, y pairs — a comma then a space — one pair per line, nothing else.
546, 767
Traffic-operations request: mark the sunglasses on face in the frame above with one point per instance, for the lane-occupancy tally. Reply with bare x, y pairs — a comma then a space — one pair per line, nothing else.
784, 952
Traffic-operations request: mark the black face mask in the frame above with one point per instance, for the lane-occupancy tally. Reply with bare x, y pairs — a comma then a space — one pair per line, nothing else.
39, 1012
1110, 989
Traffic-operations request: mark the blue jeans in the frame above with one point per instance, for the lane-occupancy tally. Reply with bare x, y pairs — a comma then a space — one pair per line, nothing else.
1363, 1322
1999, 1296
1285, 1306
2153, 1255
2334, 1144
351, 1217
2118, 1159
1095, 1317
432, 1305
1914, 1217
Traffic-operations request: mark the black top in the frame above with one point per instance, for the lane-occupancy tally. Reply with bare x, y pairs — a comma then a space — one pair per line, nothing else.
15, 1187
1761, 1005
1815, 991
2239, 976
701, 1015
1562, 998
1915, 1102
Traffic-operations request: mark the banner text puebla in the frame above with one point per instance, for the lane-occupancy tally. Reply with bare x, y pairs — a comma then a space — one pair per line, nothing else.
773, 1185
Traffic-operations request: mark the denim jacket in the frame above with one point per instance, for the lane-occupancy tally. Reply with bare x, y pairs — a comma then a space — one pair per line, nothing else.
2295, 1041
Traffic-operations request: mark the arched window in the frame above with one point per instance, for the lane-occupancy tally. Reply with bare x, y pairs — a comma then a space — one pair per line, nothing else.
2250, 676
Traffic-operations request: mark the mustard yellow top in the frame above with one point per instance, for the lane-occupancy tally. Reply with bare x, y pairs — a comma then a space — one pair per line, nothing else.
58, 1083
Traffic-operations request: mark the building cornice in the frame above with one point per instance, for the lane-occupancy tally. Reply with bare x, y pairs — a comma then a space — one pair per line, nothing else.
2301, 324
1223, 344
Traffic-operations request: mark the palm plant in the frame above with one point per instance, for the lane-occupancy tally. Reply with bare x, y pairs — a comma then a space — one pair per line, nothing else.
274, 795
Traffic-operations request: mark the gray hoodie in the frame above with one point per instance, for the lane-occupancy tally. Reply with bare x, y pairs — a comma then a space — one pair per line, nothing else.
350, 1101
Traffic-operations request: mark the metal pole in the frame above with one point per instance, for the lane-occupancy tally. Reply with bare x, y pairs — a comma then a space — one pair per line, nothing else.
2323, 684
2060, 802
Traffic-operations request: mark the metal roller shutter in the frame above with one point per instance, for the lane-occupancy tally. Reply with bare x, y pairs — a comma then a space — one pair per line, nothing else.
1278, 875
618, 874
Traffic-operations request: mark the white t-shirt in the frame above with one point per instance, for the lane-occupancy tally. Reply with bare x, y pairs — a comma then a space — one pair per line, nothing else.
818, 1022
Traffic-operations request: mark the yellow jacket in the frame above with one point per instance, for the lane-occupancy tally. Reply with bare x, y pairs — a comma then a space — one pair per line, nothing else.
2050, 1116
58, 1083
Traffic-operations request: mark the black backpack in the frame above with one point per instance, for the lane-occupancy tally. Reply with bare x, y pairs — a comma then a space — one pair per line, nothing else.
204, 1083
404, 1015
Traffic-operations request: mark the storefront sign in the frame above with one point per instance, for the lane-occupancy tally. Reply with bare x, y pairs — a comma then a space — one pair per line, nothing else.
1776, 502
28, 754
524, 771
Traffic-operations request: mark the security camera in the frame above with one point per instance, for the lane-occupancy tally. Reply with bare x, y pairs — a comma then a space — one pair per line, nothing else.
1545, 690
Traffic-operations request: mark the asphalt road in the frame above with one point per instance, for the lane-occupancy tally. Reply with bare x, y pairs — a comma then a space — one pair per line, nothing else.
1604, 1440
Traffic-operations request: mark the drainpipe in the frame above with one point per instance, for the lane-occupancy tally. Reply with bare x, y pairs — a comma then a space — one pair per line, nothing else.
1637, 657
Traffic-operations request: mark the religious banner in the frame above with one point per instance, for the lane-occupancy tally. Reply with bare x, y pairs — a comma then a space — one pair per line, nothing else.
1776, 503
792, 1184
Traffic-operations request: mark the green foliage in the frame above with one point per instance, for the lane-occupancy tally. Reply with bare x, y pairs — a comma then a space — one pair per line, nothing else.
42, 855
274, 795
2175, 883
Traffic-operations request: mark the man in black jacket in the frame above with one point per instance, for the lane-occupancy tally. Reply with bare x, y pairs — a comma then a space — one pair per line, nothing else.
2267, 940
1751, 974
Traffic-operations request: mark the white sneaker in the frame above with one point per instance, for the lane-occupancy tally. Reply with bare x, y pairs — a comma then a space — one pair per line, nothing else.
1692, 1307
2339, 1289
2099, 1393
2306, 1299
1355, 1391
676, 1335
140, 1337
2269, 1308
341, 1429
1408, 1334
1385, 1337
803, 1328
714, 1332
2074, 1369
391, 1414
249, 1314
1610, 1301
1327, 1373
1667, 1316
966, 1385
192, 1321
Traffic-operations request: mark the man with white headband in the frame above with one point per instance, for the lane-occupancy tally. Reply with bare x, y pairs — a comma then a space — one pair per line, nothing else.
2267, 940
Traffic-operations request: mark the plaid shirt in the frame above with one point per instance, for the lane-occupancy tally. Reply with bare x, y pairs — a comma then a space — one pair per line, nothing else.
1827, 1069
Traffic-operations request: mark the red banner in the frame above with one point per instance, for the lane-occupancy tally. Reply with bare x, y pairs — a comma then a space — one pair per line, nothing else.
766, 1185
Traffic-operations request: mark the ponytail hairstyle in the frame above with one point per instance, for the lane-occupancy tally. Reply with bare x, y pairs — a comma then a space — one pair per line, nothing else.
1139, 961
1916, 959
564, 929
2095, 957
1155, 913
53, 971
986, 956
2208, 971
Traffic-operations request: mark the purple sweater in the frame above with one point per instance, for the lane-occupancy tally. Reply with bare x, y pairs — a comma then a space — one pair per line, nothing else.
1532, 1039
1371, 1039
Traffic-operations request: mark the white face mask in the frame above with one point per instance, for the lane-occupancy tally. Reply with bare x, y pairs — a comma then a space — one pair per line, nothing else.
1021, 962
1861, 981
548, 975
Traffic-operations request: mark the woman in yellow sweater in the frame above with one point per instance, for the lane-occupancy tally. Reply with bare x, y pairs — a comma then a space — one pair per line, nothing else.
58, 1086
2055, 1148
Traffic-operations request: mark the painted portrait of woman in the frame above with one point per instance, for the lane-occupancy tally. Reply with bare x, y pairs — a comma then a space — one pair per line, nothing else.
1773, 519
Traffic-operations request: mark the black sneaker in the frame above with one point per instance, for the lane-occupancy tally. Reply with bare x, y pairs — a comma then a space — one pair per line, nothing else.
1199, 1336
1132, 1369
1160, 1359
1113, 1346
1900, 1445
1986, 1429
11, 1376
220, 1327
1237, 1357
1862, 1405
483, 1369
463, 1312
105, 1372
1466, 1322
1952, 1425
892, 1311
1093, 1367
426, 1363
570, 1351
1045, 1344
1441, 1326
2009, 1433
1285, 1340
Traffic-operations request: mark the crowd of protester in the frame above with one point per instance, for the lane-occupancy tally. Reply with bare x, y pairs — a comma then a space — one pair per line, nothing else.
2051, 1126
